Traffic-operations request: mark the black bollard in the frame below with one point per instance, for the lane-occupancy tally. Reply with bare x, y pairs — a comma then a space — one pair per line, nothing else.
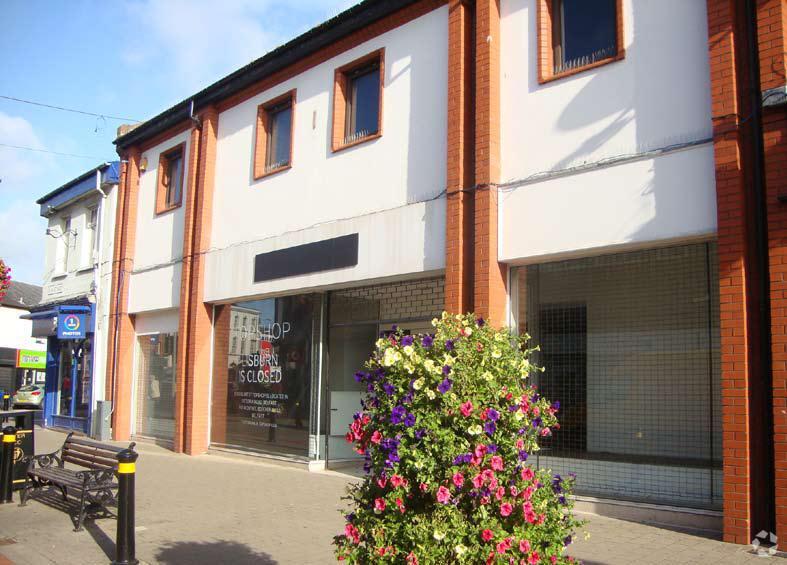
6, 402
125, 545
6, 478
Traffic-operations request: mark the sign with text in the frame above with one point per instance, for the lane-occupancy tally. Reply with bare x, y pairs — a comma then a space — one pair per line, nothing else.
28, 359
71, 326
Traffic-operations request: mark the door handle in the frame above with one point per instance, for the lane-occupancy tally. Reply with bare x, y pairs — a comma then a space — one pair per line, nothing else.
334, 409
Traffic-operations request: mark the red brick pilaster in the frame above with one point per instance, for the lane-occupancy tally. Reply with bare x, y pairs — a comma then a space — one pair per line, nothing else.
460, 172
193, 410
772, 29
490, 277
121, 337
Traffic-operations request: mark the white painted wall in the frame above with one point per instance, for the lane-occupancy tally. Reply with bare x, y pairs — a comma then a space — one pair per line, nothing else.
158, 249
668, 197
375, 189
659, 95
15, 332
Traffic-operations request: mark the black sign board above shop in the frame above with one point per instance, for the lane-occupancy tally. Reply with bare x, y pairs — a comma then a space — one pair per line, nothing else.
325, 255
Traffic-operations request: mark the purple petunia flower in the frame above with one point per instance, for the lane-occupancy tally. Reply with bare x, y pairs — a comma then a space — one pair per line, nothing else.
491, 448
449, 345
537, 422
493, 414
523, 455
394, 457
446, 369
567, 539
459, 459
480, 322
556, 405
513, 408
369, 387
445, 386
427, 341
521, 431
420, 433
409, 420
490, 428
407, 340
397, 414
360, 376
389, 389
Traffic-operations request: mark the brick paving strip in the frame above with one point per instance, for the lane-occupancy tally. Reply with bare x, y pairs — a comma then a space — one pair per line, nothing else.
216, 509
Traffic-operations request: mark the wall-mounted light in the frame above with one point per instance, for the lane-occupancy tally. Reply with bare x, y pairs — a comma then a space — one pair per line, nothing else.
143, 164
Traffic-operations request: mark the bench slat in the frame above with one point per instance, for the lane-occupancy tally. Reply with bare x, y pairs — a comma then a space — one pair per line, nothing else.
91, 455
87, 442
82, 461
64, 477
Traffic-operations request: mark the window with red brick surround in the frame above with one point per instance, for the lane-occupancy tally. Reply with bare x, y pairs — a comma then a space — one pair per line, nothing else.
351, 101
553, 35
169, 187
273, 146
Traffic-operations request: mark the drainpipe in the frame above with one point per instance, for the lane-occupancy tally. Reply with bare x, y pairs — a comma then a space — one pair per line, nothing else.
761, 403
98, 343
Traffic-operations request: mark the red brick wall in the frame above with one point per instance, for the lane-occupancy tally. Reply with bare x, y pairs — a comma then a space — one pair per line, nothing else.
120, 363
221, 348
772, 26
192, 397
490, 277
459, 161
745, 459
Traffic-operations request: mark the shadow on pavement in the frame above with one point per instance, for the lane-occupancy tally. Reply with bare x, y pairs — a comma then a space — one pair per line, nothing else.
216, 552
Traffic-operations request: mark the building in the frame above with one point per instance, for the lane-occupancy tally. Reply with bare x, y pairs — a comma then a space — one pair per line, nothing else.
589, 173
22, 357
74, 310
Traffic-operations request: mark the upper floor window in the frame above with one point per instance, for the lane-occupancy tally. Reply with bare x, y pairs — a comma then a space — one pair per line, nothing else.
273, 150
358, 96
170, 179
578, 34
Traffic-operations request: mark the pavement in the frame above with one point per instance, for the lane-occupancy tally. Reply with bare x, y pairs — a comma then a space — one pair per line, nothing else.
225, 509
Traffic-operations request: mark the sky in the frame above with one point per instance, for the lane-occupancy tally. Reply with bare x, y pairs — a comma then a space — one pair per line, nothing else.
125, 58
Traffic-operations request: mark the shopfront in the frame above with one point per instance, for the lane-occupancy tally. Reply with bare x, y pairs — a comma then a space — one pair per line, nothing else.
69, 364
630, 347
283, 378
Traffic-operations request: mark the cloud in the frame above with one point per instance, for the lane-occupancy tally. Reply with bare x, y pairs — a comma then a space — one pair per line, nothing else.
22, 242
199, 41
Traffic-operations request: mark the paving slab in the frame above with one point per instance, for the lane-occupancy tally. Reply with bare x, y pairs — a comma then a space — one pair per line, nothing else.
222, 509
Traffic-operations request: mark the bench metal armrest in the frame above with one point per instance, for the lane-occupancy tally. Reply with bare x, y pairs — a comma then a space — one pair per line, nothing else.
44, 461
96, 478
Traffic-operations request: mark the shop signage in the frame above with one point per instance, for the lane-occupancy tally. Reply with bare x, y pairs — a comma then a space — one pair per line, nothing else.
334, 253
28, 359
71, 326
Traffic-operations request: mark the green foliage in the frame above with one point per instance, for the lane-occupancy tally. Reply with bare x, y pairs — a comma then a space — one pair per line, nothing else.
446, 430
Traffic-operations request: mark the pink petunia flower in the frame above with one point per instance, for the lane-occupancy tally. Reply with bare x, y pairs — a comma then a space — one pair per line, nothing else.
506, 509
524, 546
514, 491
500, 492
487, 535
424, 487
533, 558
497, 463
458, 479
396, 481
381, 482
443, 495
377, 437
379, 505
478, 481
527, 474
480, 450
466, 409
400, 505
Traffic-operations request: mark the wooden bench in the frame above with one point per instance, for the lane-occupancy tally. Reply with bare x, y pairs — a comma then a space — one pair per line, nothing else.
94, 483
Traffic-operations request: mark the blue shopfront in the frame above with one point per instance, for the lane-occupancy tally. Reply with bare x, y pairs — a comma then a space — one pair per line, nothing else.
69, 364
